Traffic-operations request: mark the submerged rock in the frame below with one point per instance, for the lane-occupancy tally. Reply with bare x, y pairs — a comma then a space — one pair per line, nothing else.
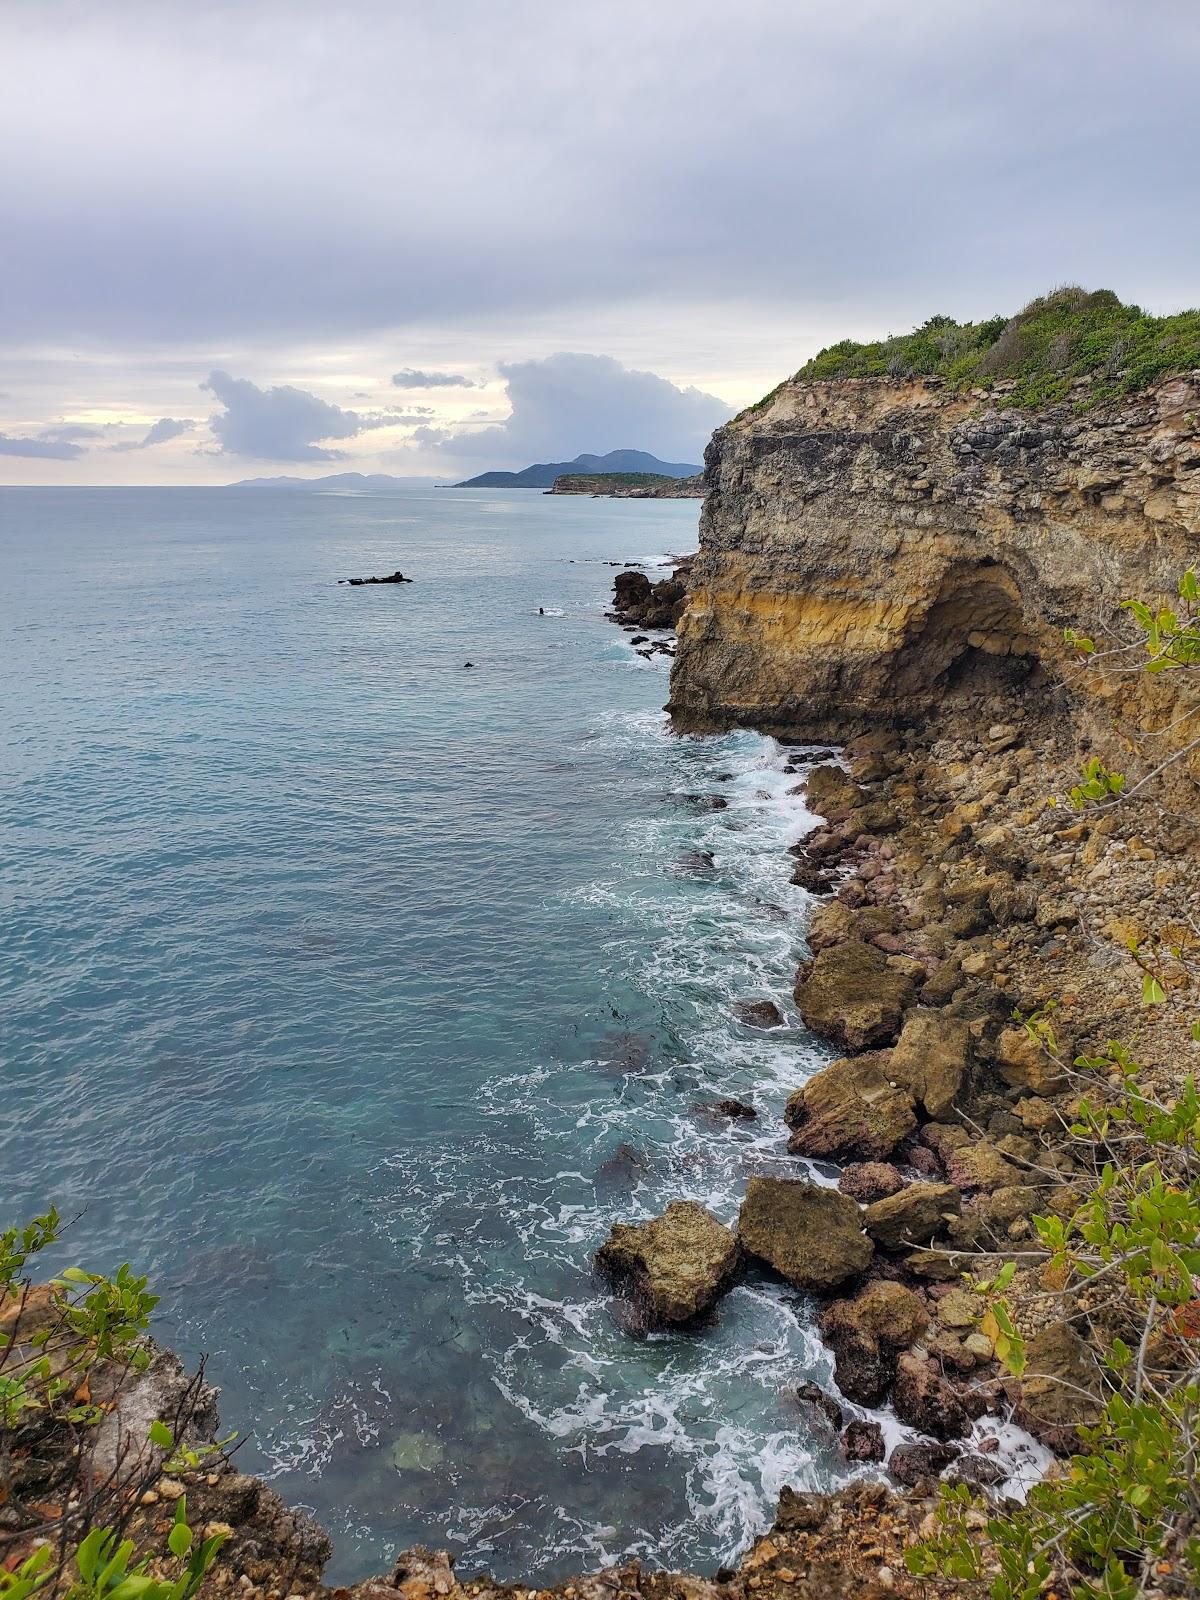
849, 1110
813, 1237
759, 1014
676, 1265
851, 995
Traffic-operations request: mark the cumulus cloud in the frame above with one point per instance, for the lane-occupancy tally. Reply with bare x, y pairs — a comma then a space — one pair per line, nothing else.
159, 433
45, 446
283, 423
413, 378
567, 403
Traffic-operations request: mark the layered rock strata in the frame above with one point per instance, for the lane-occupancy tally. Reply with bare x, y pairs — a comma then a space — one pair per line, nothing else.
875, 550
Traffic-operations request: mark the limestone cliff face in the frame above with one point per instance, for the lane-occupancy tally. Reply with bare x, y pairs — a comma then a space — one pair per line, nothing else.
875, 550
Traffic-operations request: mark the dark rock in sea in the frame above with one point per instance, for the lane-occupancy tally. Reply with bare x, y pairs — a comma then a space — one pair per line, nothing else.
912, 1464
676, 1265
760, 1014
695, 863
651, 605
736, 1110
924, 1399
811, 1236
808, 1394
867, 1333
621, 1172
863, 1441
468, 663
392, 577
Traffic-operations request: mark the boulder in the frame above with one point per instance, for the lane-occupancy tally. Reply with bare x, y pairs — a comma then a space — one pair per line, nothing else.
931, 1058
863, 1441
832, 793
760, 1014
811, 1236
923, 1398
867, 1333
676, 1265
979, 1165
865, 1181
911, 1464
915, 1215
849, 1110
823, 1404
1060, 1387
1024, 1064
850, 994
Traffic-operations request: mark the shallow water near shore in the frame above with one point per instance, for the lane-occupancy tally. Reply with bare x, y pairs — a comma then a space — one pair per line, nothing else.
353, 993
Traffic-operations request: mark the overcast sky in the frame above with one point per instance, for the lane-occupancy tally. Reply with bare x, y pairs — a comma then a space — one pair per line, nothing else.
248, 237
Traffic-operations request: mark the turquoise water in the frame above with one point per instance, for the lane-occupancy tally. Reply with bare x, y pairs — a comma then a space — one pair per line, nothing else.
353, 994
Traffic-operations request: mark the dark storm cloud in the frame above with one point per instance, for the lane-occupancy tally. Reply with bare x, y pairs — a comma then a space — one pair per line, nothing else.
393, 165
411, 378
166, 428
566, 404
281, 424
45, 446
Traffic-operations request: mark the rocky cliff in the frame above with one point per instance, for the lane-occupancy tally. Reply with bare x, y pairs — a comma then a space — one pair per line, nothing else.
879, 550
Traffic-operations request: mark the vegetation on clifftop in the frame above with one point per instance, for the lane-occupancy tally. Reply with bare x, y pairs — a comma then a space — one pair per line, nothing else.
1056, 340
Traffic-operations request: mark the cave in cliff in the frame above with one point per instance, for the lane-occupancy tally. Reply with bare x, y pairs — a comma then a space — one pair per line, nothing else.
973, 646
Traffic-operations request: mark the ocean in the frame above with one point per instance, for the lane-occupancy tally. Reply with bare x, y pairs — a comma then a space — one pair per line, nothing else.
353, 993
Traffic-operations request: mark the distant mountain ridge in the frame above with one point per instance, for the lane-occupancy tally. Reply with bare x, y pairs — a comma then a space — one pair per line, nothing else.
335, 480
543, 473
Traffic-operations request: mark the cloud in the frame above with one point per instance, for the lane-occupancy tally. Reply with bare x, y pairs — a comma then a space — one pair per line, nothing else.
159, 433
44, 446
565, 404
412, 378
281, 424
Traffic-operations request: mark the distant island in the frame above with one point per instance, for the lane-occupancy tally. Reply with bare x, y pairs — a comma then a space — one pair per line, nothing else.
630, 485
543, 474
337, 480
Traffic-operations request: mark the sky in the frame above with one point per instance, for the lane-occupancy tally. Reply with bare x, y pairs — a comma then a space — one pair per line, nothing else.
429, 237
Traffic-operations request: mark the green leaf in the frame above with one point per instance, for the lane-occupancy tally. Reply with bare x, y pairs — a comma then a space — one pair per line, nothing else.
1153, 993
161, 1435
179, 1540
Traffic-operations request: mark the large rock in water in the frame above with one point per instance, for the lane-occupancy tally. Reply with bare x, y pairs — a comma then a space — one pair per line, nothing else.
849, 1111
867, 1333
675, 1265
813, 1237
922, 1398
849, 994
931, 1058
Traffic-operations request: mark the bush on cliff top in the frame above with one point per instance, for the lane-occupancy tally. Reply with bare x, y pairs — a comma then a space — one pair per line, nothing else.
1055, 340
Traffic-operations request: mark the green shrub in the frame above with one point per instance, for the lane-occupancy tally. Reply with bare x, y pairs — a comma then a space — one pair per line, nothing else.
1057, 339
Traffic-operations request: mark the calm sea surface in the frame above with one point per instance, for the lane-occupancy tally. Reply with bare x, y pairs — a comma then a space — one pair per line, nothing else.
353, 994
